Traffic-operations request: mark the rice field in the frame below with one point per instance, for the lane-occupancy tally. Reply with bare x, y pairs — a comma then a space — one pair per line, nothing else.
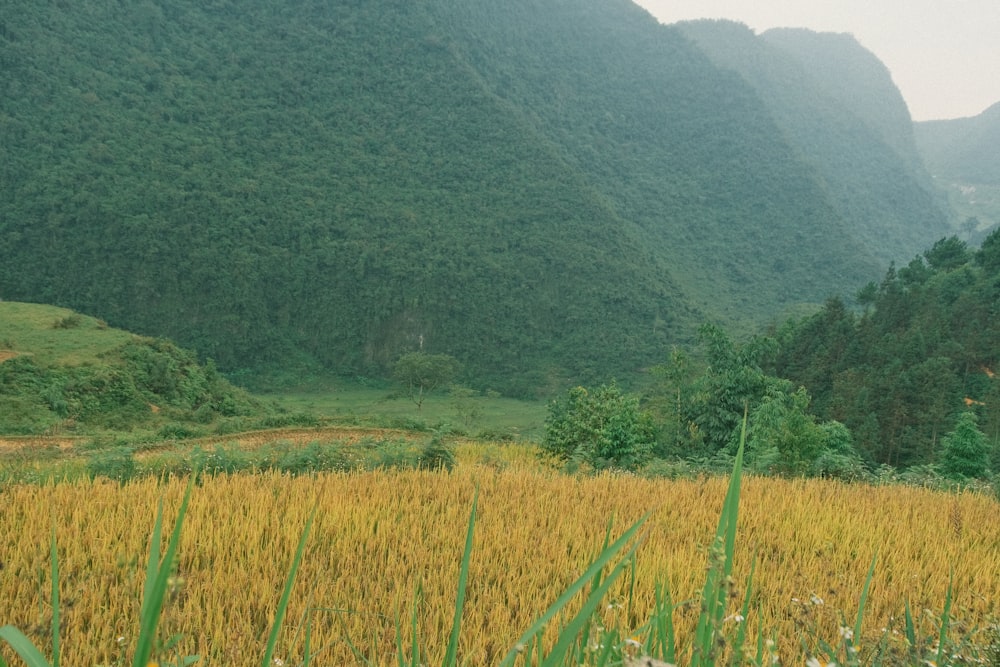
383, 540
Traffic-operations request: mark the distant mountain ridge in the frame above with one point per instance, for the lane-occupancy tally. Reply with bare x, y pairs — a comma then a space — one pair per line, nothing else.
547, 190
837, 104
963, 155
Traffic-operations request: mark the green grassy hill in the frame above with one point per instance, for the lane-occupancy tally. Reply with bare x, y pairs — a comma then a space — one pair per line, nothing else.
62, 373
549, 192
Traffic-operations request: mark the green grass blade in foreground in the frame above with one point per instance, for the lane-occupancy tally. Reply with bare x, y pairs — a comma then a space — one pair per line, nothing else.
23, 647
463, 577
911, 632
157, 576
864, 599
573, 629
279, 615
715, 593
602, 559
55, 600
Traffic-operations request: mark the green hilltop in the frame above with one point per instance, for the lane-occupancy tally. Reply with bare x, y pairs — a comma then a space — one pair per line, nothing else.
547, 191
63, 372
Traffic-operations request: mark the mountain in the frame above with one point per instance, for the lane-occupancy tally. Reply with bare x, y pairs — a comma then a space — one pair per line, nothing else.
837, 105
547, 190
964, 156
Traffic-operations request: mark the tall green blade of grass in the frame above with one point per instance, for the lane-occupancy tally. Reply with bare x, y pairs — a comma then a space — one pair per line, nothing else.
450, 657
23, 647
945, 619
602, 559
911, 631
716, 592
573, 629
157, 575
863, 602
665, 637
279, 615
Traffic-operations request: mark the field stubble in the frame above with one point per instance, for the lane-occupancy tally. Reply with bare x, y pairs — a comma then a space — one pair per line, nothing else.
381, 536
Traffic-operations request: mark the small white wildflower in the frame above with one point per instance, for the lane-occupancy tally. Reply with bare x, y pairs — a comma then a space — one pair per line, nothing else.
816, 662
278, 662
121, 639
846, 633
815, 599
739, 618
633, 643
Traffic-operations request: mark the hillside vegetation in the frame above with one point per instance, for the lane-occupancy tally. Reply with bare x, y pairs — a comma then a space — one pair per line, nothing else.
63, 372
901, 374
545, 191
837, 105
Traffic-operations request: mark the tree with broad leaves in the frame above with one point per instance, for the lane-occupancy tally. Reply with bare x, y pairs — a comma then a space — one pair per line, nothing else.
421, 373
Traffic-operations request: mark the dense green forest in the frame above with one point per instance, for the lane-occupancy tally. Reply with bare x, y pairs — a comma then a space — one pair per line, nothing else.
544, 190
924, 350
908, 382
837, 104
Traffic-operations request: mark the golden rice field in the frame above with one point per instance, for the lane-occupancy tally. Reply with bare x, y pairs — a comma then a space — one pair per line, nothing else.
379, 536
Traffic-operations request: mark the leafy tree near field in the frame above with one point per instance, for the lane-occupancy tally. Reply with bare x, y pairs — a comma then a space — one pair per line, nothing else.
421, 373
783, 437
733, 382
966, 450
602, 428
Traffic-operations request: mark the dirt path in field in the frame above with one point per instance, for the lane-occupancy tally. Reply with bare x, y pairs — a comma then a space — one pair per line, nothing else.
245, 440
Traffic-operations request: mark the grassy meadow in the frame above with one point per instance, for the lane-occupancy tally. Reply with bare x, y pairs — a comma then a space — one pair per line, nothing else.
383, 539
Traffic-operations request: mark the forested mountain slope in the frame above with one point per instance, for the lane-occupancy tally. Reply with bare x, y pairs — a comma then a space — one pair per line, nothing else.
926, 349
542, 189
963, 155
837, 105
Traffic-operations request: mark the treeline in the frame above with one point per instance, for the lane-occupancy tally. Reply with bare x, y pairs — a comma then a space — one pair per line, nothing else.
924, 350
906, 380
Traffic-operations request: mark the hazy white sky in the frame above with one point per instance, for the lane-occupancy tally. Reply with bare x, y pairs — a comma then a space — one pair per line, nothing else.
944, 55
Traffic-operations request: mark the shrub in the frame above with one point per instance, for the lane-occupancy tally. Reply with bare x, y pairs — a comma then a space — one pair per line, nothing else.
966, 449
115, 464
436, 455
603, 428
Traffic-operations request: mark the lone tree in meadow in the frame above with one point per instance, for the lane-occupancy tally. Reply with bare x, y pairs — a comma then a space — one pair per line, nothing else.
421, 373
966, 450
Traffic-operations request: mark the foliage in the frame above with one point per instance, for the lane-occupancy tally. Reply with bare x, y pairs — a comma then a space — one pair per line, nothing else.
900, 374
601, 428
190, 172
114, 464
436, 455
89, 376
421, 373
966, 451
